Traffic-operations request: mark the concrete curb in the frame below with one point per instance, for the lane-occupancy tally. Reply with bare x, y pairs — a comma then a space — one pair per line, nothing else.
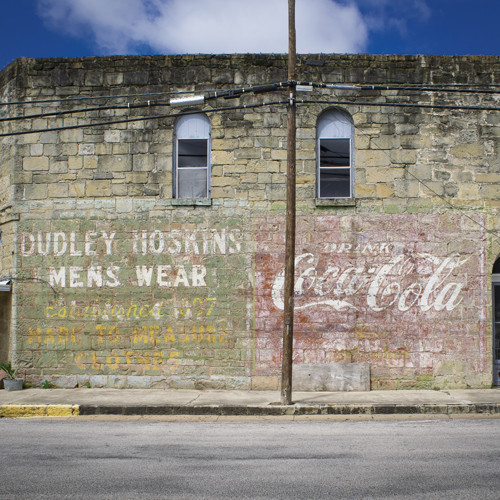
67, 410
291, 410
17, 411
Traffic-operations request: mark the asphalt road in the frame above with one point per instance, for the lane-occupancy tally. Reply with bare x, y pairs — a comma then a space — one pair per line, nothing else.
75, 459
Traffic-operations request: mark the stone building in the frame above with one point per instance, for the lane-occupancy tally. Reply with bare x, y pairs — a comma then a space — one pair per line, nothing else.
143, 207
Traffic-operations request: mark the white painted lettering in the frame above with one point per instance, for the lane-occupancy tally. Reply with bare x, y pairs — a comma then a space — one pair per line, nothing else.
74, 277
27, 244
112, 274
190, 242
60, 244
162, 272
108, 240
156, 242
406, 281
72, 246
90, 243
57, 277
144, 275
41, 249
198, 274
94, 275
181, 277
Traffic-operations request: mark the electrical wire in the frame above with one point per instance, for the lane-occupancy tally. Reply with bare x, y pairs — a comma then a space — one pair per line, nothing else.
415, 87
400, 105
212, 93
226, 94
426, 88
81, 110
472, 88
298, 101
104, 97
141, 118
229, 94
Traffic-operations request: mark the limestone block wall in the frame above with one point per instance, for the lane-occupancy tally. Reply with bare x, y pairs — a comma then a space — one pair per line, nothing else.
118, 284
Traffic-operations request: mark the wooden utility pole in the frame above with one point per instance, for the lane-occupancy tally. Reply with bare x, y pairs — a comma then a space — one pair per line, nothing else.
286, 374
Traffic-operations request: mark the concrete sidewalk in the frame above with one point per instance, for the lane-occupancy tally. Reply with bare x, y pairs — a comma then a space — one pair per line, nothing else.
83, 401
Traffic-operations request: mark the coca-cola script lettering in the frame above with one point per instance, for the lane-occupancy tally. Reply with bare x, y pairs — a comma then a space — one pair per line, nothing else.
406, 281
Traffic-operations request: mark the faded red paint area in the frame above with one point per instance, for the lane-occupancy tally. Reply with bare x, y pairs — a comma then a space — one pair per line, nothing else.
406, 293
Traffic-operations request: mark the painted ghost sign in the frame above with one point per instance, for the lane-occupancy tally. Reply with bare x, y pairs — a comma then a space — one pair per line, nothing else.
133, 299
196, 300
392, 291
387, 286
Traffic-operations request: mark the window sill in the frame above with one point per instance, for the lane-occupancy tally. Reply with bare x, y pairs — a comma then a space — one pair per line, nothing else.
335, 202
192, 202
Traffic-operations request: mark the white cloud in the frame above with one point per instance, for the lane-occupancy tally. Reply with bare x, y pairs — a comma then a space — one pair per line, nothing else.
208, 26
389, 15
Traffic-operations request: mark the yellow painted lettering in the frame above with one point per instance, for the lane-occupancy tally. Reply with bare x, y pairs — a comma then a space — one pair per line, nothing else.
63, 335
140, 334
63, 312
76, 334
154, 331
114, 334
49, 312
78, 360
132, 310
102, 330
34, 335
50, 337
144, 311
112, 361
142, 359
211, 301
95, 364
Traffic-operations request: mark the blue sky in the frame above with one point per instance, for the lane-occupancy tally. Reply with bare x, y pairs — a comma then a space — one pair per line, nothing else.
67, 28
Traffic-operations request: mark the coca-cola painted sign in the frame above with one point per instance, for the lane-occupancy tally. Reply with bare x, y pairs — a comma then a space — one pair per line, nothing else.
406, 293
420, 280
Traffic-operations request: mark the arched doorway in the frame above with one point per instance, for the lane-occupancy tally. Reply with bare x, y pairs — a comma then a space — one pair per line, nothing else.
496, 322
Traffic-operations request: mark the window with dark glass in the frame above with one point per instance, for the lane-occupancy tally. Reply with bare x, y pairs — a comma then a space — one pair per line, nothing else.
192, 157
192, 168
335, 132
334, 168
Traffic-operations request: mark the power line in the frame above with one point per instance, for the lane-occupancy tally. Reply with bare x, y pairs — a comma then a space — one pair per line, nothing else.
212, 94
81, 110
229, 95
239, 92
141, 118
453, 206
402, 105
105, 97
466, 88
414, 87
226, 94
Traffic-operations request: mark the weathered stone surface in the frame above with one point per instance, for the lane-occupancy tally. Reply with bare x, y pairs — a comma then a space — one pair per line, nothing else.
395, 277
331, 377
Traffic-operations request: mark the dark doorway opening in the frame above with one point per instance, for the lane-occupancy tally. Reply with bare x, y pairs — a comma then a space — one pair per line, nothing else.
5, 318
496, 322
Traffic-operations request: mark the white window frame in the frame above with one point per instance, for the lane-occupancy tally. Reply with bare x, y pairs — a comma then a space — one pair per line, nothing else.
191, 127
335, 124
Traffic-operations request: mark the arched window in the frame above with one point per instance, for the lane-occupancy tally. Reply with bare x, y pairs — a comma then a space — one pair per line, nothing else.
335, 153
192, 157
